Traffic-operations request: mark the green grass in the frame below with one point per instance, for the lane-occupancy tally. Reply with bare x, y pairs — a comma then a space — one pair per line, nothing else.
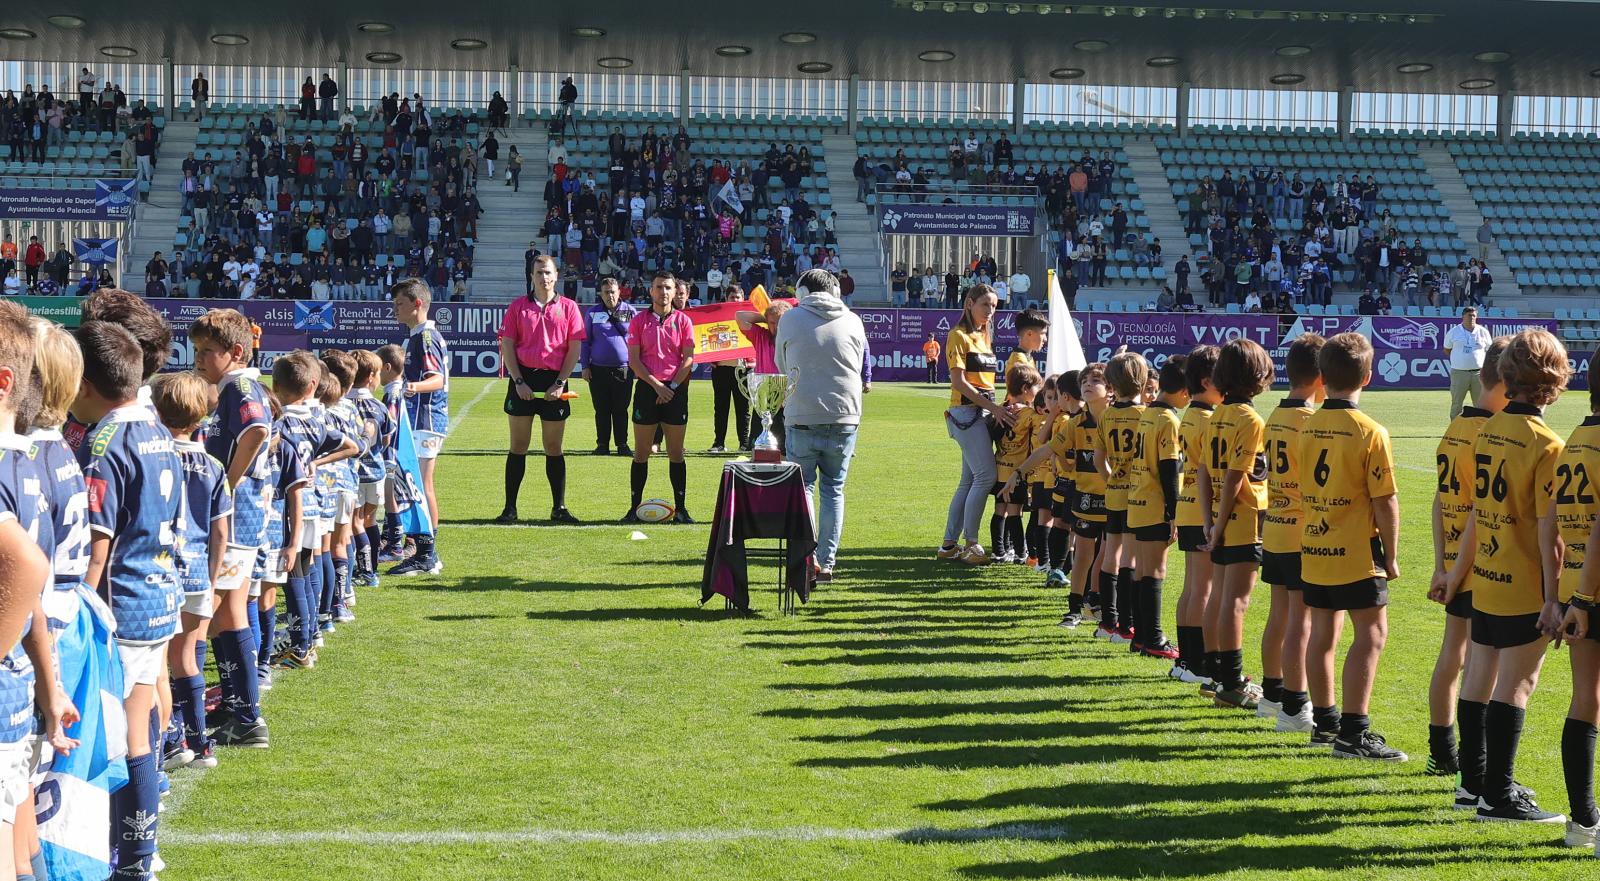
567, 679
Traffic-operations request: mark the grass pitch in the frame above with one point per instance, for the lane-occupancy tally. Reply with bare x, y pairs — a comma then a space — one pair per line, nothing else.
558, 706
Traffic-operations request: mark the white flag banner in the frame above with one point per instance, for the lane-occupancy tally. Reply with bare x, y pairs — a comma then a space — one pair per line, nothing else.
1063, 352
731, 196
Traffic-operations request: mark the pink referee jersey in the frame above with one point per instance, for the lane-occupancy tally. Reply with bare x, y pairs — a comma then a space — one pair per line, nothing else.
542, 333
663, 341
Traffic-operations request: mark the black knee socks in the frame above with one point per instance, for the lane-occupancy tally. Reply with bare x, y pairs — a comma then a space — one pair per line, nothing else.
1577, 763
1191, 648
997, 536
680, 480
1149, 624
1014, 538
555, 471
1470, 720
1502, 729
639, 477
1442, 744
1057, 541
1108, 600
1127, 603
516, 467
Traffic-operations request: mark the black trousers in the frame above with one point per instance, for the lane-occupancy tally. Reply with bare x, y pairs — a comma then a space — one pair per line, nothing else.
725, 390
612, 390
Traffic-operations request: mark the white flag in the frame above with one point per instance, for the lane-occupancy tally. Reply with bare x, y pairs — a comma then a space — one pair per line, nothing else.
731, 196
1063, 351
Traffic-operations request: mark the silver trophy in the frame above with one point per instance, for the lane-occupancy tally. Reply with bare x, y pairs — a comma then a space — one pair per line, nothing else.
767, 392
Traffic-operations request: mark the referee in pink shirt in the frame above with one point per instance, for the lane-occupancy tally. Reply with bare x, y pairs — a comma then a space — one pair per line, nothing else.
540, 342
661, 355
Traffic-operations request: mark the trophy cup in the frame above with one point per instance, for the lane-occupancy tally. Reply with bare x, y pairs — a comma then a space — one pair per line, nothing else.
767, 392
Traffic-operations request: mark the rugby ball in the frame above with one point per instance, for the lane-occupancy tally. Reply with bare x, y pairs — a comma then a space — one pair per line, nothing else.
655, 510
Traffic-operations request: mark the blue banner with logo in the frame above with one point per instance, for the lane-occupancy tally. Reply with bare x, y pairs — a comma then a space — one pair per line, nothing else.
109, 200
411, 503
95, 252
932, 219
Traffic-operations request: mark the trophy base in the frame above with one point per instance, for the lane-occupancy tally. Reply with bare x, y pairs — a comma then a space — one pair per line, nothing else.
767, 457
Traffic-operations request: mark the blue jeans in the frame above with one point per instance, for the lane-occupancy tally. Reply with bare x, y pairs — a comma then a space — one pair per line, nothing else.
970, 431
824, 451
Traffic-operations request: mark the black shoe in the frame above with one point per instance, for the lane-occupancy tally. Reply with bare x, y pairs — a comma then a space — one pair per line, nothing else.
507, 516
1520, 808
602, 451
631, 517
624, 451
562, 515
1324, 737
682, 516
249, 735
1366, 745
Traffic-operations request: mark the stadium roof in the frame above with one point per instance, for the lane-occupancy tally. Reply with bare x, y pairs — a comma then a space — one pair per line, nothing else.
1530, 46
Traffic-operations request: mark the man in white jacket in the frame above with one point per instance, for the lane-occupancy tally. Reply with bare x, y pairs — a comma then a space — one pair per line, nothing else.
822, 346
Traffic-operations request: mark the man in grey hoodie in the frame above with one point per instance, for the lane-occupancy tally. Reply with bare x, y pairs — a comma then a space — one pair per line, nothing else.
822, 346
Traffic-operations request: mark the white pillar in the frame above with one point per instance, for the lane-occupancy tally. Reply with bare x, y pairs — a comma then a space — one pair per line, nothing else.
169, 87
1346, 111
1019, 97
513, 88
1506, 117
852, 104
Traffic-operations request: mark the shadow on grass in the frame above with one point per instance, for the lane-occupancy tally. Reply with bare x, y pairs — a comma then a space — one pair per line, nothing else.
712, 612
507, 584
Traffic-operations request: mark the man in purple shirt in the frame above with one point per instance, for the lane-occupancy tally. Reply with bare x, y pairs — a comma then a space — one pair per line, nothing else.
661, 356
605, 367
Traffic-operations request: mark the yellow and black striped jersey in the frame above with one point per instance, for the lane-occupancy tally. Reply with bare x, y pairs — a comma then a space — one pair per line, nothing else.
1577, 500
1191, 440
1453, 458
1116, 440
1345, 462
1235, 441
1280, 530
1513, 483
1157, 442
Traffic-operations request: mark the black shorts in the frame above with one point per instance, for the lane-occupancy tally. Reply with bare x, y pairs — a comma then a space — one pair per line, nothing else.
1155, 532
1505, 631
1088, 528
1116, 521
1042, 497
1190, 538
1017, 496
1368, 593
1460, 606
647, 412
1235, 554
1281, 569
538, 382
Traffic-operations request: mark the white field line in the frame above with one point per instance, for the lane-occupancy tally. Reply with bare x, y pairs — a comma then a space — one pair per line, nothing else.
185, 781
1011, 832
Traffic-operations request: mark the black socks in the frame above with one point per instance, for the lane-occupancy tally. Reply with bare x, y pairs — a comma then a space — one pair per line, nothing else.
1015, 542
1108, 600
555, 470
1470, 721
1442, 744
997, 530
639, 477
680, 480
1192, 649
1272, 689
1149, 608
1352, 724
1577, 763
1127, 603
1326, 719
516, 467
1294, 702
1230, 669
1057, 541
1502, 729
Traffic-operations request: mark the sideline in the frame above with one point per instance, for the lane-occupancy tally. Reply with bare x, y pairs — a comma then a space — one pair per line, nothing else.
1008, 832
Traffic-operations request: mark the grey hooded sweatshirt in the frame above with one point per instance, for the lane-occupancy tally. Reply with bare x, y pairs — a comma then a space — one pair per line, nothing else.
821, 344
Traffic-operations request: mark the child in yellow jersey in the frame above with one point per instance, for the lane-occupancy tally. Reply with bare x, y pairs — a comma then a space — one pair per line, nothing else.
1064, 467
1012, 447
1233, 492
1032, 328
1510, 554
1283, 640
1575, 514
1084, 505
1452, 508
1349, 542
1041, 480
1153, 503
1114, 452
1190, 525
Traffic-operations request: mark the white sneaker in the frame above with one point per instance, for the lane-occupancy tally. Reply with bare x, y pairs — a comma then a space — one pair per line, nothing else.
1300, 722
1184, 674
1268, 709
1118, 639
1579, 835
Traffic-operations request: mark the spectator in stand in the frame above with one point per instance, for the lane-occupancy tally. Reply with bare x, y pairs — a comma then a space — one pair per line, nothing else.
327, 90
32, 259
